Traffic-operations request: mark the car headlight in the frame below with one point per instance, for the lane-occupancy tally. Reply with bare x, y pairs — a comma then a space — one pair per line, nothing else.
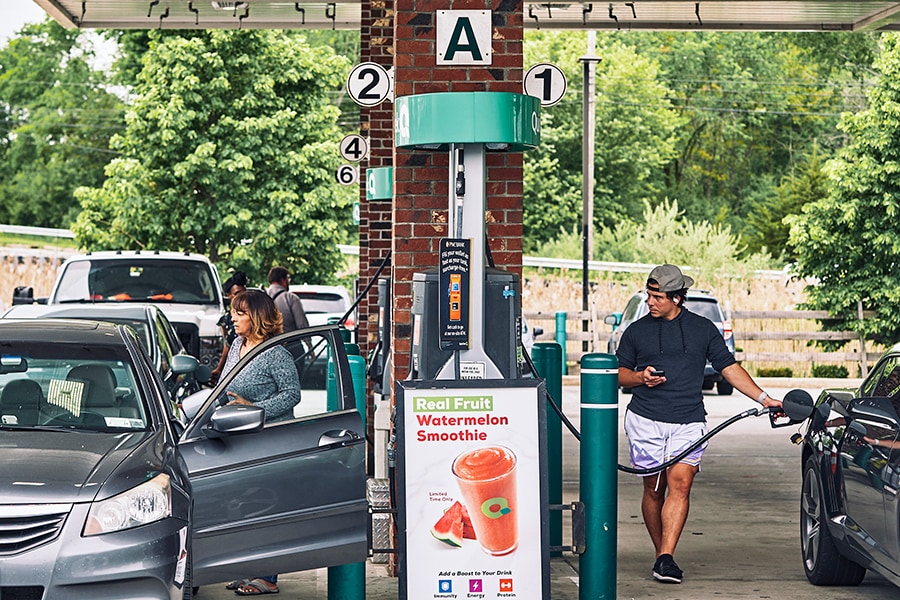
149, 502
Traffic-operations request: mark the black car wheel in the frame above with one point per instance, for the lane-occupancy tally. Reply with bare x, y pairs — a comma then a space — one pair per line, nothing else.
822, 562
724, 388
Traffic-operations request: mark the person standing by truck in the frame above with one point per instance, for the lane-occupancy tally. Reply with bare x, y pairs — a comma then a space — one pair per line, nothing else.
662, 357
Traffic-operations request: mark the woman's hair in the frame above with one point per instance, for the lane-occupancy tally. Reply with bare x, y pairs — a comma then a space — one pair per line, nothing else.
265, 319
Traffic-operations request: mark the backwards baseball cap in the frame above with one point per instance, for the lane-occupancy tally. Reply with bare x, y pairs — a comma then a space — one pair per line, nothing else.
670, 278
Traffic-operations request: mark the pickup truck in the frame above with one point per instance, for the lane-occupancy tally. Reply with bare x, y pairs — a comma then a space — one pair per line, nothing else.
185, 286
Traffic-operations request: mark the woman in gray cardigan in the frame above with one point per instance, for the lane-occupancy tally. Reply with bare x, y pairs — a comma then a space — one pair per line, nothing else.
270, 380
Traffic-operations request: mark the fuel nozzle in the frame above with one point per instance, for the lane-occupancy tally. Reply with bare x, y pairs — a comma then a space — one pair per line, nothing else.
797, 439
460, 173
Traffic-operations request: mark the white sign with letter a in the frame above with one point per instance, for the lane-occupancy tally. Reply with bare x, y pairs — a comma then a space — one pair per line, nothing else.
464, 37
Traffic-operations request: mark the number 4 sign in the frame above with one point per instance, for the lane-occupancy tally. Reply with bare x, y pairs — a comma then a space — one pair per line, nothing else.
546, 82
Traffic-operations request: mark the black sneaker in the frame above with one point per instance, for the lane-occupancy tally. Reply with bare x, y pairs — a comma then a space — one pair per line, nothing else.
666, 570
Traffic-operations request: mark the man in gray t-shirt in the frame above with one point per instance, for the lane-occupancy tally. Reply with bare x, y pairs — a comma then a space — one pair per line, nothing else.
287, 303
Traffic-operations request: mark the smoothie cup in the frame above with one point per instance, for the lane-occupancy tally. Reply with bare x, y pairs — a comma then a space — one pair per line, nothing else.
487, 480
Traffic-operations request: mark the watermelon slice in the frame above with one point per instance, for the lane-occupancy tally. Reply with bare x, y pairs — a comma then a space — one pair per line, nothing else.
449, 528
468, 530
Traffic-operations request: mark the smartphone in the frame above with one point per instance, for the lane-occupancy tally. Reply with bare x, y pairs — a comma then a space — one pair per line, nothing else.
658, 373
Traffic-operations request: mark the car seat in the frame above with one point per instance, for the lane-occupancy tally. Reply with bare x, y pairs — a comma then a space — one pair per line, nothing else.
100, 391
22, 398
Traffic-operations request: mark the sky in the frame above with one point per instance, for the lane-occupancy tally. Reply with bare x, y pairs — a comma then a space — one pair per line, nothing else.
17, 13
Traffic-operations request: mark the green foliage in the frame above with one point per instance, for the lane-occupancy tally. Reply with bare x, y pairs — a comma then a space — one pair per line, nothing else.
766, 228
774, 372
848, 240
666, 236
56, 119
735, 125
830, 371
634, 138
230, 150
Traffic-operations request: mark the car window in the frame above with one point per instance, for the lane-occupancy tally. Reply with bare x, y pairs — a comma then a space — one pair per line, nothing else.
311, 356
631, 309
705, 308
69, 386
888, 382
322, 302
136, 279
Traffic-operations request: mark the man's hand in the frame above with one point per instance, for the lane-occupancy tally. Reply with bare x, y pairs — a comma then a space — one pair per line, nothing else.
651, 380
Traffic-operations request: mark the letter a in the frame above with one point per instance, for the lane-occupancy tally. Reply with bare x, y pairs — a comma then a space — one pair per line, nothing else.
472, 45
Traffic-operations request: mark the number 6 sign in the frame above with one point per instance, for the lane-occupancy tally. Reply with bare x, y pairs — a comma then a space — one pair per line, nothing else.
546, 82
369, 84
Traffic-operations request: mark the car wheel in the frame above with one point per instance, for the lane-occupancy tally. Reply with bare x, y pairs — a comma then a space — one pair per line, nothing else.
724, 388
822, 562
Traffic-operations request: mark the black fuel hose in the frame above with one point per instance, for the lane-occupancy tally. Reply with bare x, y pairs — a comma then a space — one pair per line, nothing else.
751, 412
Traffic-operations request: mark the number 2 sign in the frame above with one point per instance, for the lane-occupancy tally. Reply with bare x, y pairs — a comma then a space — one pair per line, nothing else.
369, 84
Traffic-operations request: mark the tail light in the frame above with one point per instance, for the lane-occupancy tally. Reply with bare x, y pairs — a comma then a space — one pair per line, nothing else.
726, 330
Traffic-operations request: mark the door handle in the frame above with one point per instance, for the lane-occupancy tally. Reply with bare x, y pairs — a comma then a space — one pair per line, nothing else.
337, 437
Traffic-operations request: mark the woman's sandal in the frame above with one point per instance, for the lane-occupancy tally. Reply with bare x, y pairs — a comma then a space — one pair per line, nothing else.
255, 587
233, 585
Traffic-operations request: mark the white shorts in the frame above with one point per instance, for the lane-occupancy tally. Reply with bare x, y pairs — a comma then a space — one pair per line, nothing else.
651, 443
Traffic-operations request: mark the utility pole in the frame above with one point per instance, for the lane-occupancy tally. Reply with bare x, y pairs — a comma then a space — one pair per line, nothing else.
589, 62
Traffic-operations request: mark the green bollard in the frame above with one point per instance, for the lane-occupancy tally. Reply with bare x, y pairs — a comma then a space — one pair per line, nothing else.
598, 478
546, 357
347, 582
561, 338
358, 374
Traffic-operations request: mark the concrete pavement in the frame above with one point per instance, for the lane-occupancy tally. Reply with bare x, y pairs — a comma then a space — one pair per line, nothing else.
741, 539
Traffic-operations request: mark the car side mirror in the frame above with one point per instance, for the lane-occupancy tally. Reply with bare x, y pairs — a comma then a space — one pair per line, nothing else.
235, 418
183, 364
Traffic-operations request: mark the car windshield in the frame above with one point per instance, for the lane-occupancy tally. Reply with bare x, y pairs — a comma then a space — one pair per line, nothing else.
68, 386
705, 308
137, 280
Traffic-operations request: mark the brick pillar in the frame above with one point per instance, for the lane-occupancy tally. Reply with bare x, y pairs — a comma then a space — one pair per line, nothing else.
421, 177
375, 218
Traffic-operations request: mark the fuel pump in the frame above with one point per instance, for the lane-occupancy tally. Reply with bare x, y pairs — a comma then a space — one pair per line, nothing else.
466, 315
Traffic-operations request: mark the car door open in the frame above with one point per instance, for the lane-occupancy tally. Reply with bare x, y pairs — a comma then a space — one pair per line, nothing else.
291, 495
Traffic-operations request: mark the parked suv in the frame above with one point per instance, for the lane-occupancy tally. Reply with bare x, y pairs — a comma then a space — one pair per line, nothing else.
185, 286
698, 302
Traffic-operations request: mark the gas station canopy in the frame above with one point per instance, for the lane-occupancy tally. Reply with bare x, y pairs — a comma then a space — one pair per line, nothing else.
658, 15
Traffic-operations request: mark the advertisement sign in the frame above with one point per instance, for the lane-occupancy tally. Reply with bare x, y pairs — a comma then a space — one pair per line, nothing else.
473, 489
453, 313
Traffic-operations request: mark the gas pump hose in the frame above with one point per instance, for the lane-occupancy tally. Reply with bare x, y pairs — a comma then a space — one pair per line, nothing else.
751, 412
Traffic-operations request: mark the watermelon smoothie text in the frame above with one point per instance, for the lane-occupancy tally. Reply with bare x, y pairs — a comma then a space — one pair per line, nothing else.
487, 480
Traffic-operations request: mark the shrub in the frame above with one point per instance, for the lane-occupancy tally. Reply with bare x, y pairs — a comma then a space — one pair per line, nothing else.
774, 372
830, 371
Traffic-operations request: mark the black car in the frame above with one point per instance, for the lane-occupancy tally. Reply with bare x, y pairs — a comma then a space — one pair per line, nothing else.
850, 503
105, 494
182, 373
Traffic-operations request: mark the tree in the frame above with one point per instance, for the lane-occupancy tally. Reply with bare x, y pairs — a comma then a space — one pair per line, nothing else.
848, 241
230, 150
56, 119
635, 137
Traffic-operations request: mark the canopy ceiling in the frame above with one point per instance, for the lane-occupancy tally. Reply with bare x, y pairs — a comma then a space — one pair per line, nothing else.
659, 15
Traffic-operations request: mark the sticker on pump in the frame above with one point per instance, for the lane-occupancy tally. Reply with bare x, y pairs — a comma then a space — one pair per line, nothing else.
472, 370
